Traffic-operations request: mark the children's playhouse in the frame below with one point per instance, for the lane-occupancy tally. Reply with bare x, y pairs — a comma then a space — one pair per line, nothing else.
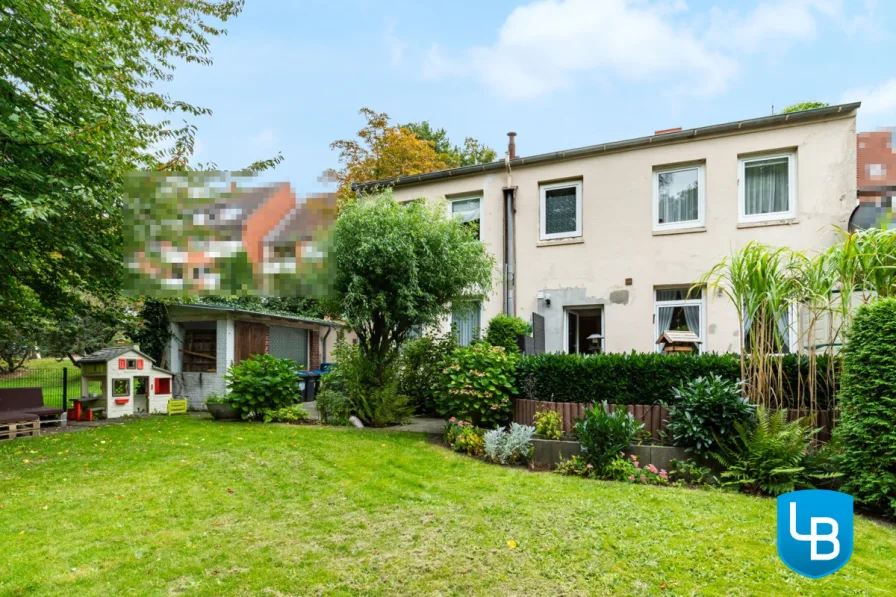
121, 381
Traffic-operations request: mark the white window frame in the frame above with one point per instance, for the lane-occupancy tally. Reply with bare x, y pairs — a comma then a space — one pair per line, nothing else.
793, 333
454, 200
700, 302
543, 188
701, 198
452, 321
790, 214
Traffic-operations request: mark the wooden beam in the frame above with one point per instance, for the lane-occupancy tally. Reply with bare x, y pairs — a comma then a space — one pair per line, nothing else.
198, 354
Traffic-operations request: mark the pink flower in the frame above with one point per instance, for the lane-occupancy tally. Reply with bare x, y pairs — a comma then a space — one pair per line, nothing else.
643, 478
590, 466
652, 469
631, 477
634, 457
451, 420
664, 474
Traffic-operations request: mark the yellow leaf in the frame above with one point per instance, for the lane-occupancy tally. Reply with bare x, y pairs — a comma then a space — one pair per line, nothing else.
511, 544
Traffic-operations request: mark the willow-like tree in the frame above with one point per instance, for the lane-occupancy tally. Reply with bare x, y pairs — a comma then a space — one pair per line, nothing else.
402, 267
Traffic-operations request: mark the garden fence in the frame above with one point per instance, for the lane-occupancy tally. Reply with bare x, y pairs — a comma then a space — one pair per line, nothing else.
59, 385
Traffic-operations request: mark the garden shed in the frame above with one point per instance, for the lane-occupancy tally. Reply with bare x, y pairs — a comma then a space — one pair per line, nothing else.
207, 339
129, 382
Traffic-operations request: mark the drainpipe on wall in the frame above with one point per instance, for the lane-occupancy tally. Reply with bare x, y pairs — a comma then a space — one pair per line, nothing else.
323, 345
509, 252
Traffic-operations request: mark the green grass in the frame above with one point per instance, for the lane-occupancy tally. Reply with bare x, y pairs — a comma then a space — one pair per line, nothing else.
46, 374
184, 506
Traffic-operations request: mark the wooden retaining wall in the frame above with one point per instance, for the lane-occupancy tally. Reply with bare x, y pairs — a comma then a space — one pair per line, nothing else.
652, 415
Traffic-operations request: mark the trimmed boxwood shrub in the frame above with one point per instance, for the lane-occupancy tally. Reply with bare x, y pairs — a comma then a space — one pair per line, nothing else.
867, 431
643, 378
504, 329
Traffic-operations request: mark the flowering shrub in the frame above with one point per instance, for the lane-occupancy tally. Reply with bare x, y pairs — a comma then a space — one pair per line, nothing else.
476, 384
629, 469
463, 436
509, 447
604, 434
576, 467
262, 382
548, 424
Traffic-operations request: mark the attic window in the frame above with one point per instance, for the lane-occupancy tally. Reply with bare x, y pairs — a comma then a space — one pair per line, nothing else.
132, 363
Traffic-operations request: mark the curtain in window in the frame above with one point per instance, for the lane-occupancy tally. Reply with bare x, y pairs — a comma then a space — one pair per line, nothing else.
692, 318
467, 323
560, 210
664, 318
766, 186
677, 196
467, 210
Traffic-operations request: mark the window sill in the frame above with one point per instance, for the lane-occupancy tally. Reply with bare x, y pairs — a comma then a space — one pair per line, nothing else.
679, 231
576, 240
763, 223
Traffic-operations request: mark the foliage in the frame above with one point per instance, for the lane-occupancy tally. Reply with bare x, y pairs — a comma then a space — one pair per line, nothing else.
420, 368
629, 469
690, 472
398, 268
260, 383
768, 456
504, 329
154, 331
371, 389
334, 407
287, 414
477, 383
513, 446
803, 106
575, 466
704, 408
867, 430
464, 437
382, 151
603, 435
216, 398
470, 154
644, 378
74, 94
549, 424
21, 331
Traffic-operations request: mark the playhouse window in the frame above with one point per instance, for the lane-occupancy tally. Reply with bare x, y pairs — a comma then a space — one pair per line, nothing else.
121, 387
163, 386
132, 363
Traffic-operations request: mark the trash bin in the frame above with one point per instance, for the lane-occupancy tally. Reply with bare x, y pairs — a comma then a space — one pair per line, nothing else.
308, 385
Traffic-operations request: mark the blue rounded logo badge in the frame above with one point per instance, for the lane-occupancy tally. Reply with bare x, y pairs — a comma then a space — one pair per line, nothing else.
815, 531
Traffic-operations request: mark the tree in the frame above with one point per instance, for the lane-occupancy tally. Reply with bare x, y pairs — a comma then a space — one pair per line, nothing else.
400, 268
804, 106
470, 154
382, 151
76, 80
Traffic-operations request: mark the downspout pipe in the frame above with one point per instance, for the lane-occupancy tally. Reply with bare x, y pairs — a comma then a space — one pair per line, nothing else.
323, 348
509, 253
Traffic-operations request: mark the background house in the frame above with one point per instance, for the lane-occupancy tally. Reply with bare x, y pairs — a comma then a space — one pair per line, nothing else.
608, 239
208, 339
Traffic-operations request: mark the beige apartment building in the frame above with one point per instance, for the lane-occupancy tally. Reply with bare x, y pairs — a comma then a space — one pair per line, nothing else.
604, 241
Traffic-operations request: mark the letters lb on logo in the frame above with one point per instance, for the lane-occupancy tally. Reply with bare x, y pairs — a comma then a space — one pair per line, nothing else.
815, 531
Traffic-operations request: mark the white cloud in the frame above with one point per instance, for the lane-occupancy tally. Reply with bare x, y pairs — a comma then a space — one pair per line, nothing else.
878, 104
396, 45
550, 44
265, 138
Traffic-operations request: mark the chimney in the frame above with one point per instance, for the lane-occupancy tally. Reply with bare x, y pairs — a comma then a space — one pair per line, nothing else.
667, 131
511, 144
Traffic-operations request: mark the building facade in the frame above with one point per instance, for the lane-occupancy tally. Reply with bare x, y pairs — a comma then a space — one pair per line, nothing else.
605, 242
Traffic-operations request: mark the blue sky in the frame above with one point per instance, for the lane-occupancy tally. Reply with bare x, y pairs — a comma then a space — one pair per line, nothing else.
291, 76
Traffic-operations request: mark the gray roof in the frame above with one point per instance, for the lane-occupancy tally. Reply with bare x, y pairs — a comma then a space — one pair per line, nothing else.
615, 146
262, 312
105, 355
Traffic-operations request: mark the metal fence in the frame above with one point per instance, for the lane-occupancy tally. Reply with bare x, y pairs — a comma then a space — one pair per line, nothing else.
59, 385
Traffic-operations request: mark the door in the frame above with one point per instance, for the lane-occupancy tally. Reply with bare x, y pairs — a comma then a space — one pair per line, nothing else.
141, 394
251, 338
572, 332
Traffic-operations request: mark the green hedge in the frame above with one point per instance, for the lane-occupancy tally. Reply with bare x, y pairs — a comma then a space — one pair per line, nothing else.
642, 378
867, 431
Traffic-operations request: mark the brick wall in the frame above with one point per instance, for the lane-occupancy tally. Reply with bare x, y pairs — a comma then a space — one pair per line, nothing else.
875, 160
314, 349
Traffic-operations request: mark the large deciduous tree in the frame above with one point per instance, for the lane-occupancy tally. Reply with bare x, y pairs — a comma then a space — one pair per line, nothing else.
471, 153
401, 267
77, 79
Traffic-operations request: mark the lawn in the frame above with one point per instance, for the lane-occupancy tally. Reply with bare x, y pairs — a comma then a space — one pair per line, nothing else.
188, 506
46, 374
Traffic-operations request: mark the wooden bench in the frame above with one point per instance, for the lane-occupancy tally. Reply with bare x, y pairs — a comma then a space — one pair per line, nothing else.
31, 402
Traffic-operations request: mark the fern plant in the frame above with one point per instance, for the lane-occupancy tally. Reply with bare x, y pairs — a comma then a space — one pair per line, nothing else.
768, 457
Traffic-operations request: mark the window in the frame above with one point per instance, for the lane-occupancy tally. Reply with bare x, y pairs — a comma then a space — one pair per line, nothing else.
466, 322
290, 343
585, 330
163, 385
561, 210
678, 198
767, 187
783, 334
468, 210
679, 309
132, 364
121, 387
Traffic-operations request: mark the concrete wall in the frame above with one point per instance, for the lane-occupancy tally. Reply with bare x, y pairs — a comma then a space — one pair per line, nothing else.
618, 241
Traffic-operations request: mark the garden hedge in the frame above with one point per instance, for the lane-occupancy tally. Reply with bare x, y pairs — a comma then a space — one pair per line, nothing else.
644, 378
867, 431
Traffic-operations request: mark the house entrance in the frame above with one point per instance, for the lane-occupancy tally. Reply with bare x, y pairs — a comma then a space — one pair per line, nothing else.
585, 330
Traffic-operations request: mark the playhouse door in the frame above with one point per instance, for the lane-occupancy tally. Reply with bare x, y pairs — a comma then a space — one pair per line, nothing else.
141, 394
